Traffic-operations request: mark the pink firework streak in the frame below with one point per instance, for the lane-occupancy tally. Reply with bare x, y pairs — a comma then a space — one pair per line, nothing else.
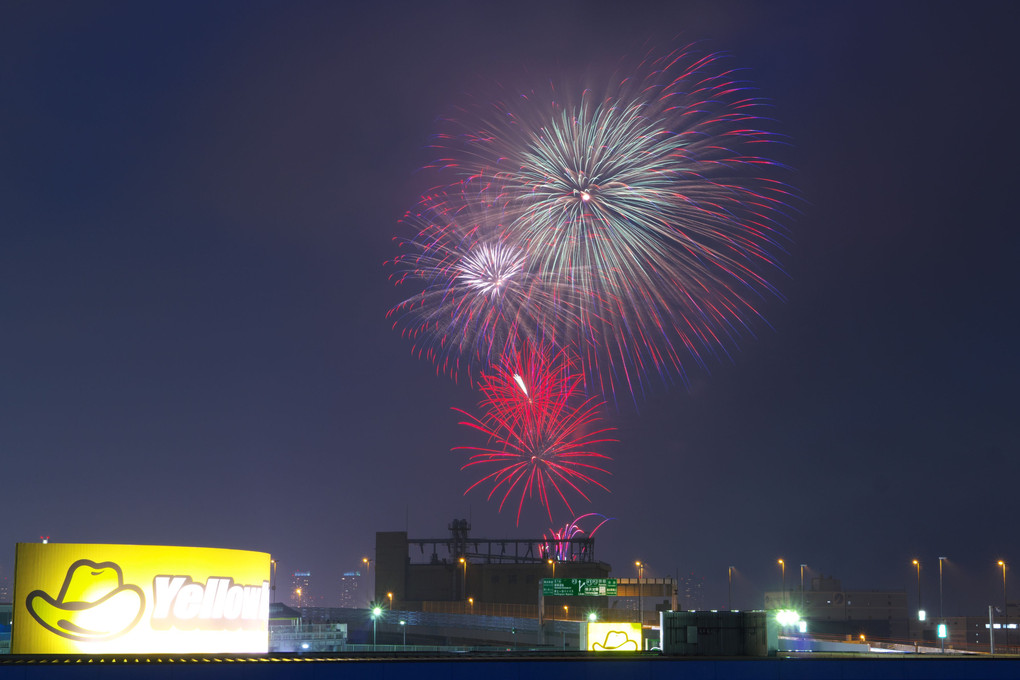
557, 544
543, 447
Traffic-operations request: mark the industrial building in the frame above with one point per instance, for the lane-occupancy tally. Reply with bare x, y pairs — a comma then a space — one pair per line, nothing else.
502, 577
829, 609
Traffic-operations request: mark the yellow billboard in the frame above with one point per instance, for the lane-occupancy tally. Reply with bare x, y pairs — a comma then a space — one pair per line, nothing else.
135, 599
614, 637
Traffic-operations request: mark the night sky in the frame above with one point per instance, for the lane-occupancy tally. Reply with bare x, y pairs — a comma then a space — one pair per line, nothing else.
196, 201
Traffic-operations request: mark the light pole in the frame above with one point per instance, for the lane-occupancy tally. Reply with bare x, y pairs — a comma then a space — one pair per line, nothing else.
640, 604
471, 601
376, 613
552, 563
368, 574
802, 589
390, 595
272, 587
782, 566
942, 641
917, 564
464, 563
1005, 618
403, 628
729, 588
566, 612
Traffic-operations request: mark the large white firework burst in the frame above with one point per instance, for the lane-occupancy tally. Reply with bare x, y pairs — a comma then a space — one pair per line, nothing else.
646, 207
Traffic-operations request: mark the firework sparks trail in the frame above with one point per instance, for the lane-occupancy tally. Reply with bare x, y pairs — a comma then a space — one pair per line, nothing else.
557, 541
527, 383
544, 446
646, 208
474, 295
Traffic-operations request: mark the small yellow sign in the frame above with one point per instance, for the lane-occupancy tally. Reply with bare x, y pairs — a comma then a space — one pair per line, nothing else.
135, 599
614, 637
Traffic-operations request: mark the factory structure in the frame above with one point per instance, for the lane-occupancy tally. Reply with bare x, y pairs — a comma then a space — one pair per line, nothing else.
503, 577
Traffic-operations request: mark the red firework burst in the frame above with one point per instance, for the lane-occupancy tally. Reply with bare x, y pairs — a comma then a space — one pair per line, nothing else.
540, 428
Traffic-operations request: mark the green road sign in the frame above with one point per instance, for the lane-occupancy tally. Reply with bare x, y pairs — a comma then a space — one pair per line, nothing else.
579, 586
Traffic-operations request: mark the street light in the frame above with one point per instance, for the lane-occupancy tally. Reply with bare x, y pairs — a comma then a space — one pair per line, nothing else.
376, 613
729, 588
552, 563
471, 601
640, 604
802, 588
782, 566
272, 587
368, 574
593, 617
1005, 618
403, 628
942, 623
566, 612
390, 595
464, 562
917, 564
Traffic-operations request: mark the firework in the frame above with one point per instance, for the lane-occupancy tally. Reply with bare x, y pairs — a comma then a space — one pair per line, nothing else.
645, 207
558, 544
528, 382
474, 292
542, 437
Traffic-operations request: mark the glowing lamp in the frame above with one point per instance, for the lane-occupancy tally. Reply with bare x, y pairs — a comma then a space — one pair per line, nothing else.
787, 617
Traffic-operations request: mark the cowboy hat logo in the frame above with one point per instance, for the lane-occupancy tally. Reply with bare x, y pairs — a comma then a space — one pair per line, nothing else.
616, 640
93, 604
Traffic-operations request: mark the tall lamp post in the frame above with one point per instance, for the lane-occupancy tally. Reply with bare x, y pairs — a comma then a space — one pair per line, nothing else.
782, 566
942, 641
390, 595
640, 605
403, 628
376, 613
272, 586
368, 574
552, 564
729, 588
802, 589
464, 563
1005, 610
917, 564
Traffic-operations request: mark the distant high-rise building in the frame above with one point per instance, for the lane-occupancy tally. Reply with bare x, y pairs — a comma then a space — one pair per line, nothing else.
301, 593
5, 586
350, 590
691, 592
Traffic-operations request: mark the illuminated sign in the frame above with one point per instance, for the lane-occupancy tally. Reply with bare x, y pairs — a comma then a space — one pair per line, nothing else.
614, 637
105, 599
579, 586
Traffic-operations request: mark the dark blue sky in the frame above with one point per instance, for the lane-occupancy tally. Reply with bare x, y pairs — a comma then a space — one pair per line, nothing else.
196, 201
